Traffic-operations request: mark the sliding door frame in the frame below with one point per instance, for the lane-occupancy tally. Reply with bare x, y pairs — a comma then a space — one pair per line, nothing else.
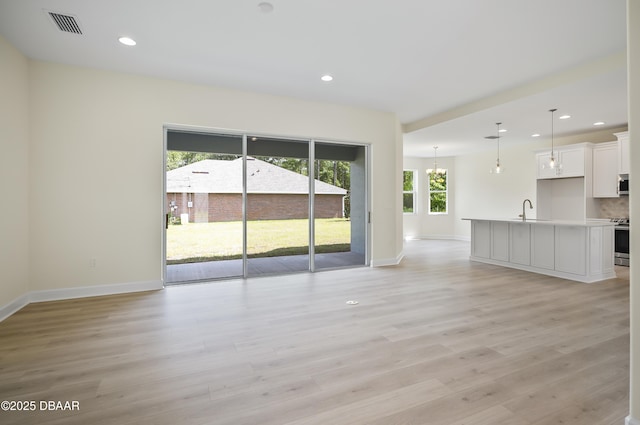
311, 167
312, 203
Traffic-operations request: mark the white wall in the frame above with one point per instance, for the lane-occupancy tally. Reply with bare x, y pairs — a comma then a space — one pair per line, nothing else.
14, 176
96, 165
421, 224
476, 193
397, 205
480, 194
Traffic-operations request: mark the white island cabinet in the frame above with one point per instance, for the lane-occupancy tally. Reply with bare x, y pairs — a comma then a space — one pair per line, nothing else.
575, 250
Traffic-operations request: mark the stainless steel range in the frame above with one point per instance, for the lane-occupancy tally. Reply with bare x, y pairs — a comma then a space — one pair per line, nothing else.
621, 246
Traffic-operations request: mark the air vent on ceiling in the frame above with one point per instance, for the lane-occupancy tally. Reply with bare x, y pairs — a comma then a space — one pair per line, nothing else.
66, 23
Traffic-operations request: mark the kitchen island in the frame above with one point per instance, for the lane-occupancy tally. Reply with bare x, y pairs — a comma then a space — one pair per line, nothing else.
575, 250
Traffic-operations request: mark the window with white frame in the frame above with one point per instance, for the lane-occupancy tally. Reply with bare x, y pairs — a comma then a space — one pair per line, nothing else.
409, 192
438, 192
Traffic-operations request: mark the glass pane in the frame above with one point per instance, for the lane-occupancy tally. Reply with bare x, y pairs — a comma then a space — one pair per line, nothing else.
438, 202
204, 205
407, 181
438, 181
340, 205
407, 202
277, 206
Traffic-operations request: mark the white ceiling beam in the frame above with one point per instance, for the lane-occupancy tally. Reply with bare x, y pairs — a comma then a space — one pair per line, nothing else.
601, 66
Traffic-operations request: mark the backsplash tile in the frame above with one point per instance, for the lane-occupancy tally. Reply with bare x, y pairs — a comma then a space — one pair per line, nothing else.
614, 207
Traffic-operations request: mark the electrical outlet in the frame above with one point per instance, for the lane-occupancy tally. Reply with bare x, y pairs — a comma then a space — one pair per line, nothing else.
92, 263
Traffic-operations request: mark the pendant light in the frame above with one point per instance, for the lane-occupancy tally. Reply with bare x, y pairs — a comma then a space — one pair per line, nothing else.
435, 170
497, 169
552, 159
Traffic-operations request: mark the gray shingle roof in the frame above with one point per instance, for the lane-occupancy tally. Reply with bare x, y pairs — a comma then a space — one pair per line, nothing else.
217, 176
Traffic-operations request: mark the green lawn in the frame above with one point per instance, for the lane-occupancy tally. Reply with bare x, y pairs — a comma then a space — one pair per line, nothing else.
194, 242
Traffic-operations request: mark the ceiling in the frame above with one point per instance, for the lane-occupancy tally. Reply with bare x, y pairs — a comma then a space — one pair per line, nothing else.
449, 69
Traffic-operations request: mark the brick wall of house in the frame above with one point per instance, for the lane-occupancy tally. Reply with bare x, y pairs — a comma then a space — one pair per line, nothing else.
225, 207
328, 206
228, 207
277, 207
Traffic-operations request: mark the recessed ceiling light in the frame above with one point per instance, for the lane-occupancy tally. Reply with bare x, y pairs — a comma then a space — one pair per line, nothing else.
326, 78
127, 41
502, 130
599, 123
265, 7
535, 135
564, 117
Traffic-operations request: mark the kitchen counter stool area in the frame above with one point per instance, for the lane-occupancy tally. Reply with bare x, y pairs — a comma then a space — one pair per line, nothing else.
574, 250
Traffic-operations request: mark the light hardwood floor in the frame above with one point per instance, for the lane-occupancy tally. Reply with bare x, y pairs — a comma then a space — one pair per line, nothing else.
438, 340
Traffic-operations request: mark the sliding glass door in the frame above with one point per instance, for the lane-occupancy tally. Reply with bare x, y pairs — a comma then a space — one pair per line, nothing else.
204, 207
251, 205
339, 203
277, 206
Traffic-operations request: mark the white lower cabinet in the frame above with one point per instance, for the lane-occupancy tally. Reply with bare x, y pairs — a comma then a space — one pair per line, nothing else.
500, 240
520, 243
481, 239
543, 246
571, 249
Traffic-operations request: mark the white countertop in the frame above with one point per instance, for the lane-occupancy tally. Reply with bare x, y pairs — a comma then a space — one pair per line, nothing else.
592, 222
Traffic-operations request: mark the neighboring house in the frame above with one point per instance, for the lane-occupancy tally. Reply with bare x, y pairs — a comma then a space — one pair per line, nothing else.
211, 190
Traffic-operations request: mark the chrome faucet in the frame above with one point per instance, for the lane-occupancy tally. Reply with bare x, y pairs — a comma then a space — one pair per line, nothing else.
524, 215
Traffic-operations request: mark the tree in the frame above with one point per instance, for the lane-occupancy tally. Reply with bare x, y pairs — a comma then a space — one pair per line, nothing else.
177, 159
438, 192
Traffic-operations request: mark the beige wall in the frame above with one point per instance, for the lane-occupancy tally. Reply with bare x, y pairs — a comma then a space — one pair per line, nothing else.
99, 135
14, 176
633, 72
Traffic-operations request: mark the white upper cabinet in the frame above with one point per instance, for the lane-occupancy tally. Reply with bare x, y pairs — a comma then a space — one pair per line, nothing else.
605, 170
569, 162
544, 170
572, 162
623, 152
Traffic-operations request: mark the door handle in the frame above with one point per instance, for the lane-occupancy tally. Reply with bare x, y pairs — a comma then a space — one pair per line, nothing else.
166, 221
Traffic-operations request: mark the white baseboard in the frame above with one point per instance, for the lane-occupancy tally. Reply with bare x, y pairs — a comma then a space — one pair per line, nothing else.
631, 421
81, 292
440, 237
93, 291
388, 261
13, 306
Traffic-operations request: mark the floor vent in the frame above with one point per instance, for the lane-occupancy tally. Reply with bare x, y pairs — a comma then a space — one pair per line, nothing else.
66, 23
